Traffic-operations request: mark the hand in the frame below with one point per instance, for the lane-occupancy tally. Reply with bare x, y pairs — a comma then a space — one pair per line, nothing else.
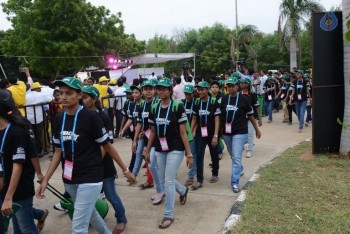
258, 134
6, 208
146, 154
194, 134
290, 103
259, 122
40, 177
41, 189
189, 162
131, 178
142, 134
134, 146
214, 141
121, 133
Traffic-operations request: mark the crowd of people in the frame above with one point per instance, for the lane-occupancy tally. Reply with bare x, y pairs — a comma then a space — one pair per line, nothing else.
166, 119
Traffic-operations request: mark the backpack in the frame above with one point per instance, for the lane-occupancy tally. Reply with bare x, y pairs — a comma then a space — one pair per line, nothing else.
174, 108
212, 100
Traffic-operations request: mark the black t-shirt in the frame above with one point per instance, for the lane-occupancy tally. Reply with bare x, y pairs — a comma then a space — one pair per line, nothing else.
243, 109
17, 150
268, 86
189, 108
284, 87
299, 87
176, 117
108, 164
143, 115
89, 135
127, 108
133, 114
253, 100
205, 113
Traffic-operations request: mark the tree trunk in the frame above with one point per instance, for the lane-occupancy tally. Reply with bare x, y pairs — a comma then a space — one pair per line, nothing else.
345, 136
293, 53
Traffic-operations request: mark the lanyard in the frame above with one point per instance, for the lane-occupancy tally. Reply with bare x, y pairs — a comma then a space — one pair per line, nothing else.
206, 111
166, 118
144, 107
300, 89
191, 109
128, 111
3, 139
73, 131
234, 112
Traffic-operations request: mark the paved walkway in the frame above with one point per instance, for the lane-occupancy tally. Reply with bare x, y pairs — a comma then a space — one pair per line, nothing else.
206, 209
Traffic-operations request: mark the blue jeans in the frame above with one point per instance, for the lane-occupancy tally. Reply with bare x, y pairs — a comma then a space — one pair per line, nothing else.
308, 114
154, 169
139, 157
300, 107
251, 136
114, 199
235, 146
201, 143
84, 197
23, 220
268, 108
37, 214
169, 163
192, 171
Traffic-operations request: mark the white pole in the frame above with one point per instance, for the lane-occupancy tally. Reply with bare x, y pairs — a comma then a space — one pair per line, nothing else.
2, 69
237, 44
194, 65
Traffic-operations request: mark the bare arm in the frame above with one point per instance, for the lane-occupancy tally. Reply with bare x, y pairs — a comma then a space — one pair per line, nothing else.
257, 131
188, 154
36, 165
128, 123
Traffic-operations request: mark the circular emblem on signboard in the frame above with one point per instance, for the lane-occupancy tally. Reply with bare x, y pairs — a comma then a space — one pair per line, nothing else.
329, 21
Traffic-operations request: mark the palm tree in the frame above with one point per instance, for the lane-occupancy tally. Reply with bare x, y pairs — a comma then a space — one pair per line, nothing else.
245, 35
345, 135
290, 23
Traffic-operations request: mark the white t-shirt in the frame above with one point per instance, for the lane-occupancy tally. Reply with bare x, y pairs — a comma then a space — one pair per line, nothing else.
178, 92
33, 98
184, 82
262, 82
120, 91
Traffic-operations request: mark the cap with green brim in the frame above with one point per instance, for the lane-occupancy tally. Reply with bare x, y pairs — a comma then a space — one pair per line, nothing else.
71, 82
154, 82
285, 77
147, 83
164, 83
132, 87
215, 82
127, 90
232, 80
89, 89
188, 88
301, 71
307, 75
270, 78
245, 80
236, 74
221, 83
203, 84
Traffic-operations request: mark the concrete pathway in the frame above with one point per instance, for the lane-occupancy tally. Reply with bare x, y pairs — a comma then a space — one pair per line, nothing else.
206, 209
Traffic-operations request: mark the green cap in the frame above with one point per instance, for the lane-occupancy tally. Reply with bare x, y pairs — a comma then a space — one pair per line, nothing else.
307, 75
232, 80
221, 83
154, 82
132, 87
91, 90
127, 90
164, 82
203, 84
147, 83
270, 78
71, 82
301, 71
188, 88
237, 75
245, 80
286, 77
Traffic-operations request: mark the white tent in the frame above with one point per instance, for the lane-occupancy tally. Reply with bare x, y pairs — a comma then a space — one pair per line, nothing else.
160, 58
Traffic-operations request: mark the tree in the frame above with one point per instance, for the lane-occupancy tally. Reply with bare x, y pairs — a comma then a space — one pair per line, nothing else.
345, 135
58, 35
290, 23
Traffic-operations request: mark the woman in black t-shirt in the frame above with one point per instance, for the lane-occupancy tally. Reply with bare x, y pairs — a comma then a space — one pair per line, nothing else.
168, 133
91, 100
235, 108
270, 96
78, 135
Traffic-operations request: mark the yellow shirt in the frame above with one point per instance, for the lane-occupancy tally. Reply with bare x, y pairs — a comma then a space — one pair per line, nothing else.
103, 89
18, 92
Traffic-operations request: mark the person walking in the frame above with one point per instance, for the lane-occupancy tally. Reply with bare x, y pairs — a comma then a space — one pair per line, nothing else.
270, 95
168, 134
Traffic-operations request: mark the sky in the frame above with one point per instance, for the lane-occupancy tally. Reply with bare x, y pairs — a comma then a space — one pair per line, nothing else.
145, 18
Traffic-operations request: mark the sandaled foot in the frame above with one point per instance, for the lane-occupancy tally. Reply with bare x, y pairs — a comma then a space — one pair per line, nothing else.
189, 182
166, 222
146, 185
41, 222
197, 186
183, 198
119, 228
214, 179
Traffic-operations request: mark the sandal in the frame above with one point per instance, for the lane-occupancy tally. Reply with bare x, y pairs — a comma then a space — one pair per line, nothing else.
183, 198
214, 179
146, 185
189, 182
119, 230
162, 225
41, 222
197, 186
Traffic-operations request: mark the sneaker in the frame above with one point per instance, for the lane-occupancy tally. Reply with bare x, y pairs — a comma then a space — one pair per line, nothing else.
300, 130
306, 124
249, 154
58, 206
102, 196
158, 198
242, 174
236, 188
290, 123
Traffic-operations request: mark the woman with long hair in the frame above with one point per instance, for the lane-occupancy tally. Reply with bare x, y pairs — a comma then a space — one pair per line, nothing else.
78, 135
168, 134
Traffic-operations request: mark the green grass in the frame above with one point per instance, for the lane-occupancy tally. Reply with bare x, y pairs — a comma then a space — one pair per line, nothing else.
317, 191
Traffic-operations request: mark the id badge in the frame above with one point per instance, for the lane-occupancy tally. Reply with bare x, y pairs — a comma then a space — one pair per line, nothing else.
299, 96
228, 128
269, 97
68, 170
148, 133
131, 128
204, 131
164, 144
282, 95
